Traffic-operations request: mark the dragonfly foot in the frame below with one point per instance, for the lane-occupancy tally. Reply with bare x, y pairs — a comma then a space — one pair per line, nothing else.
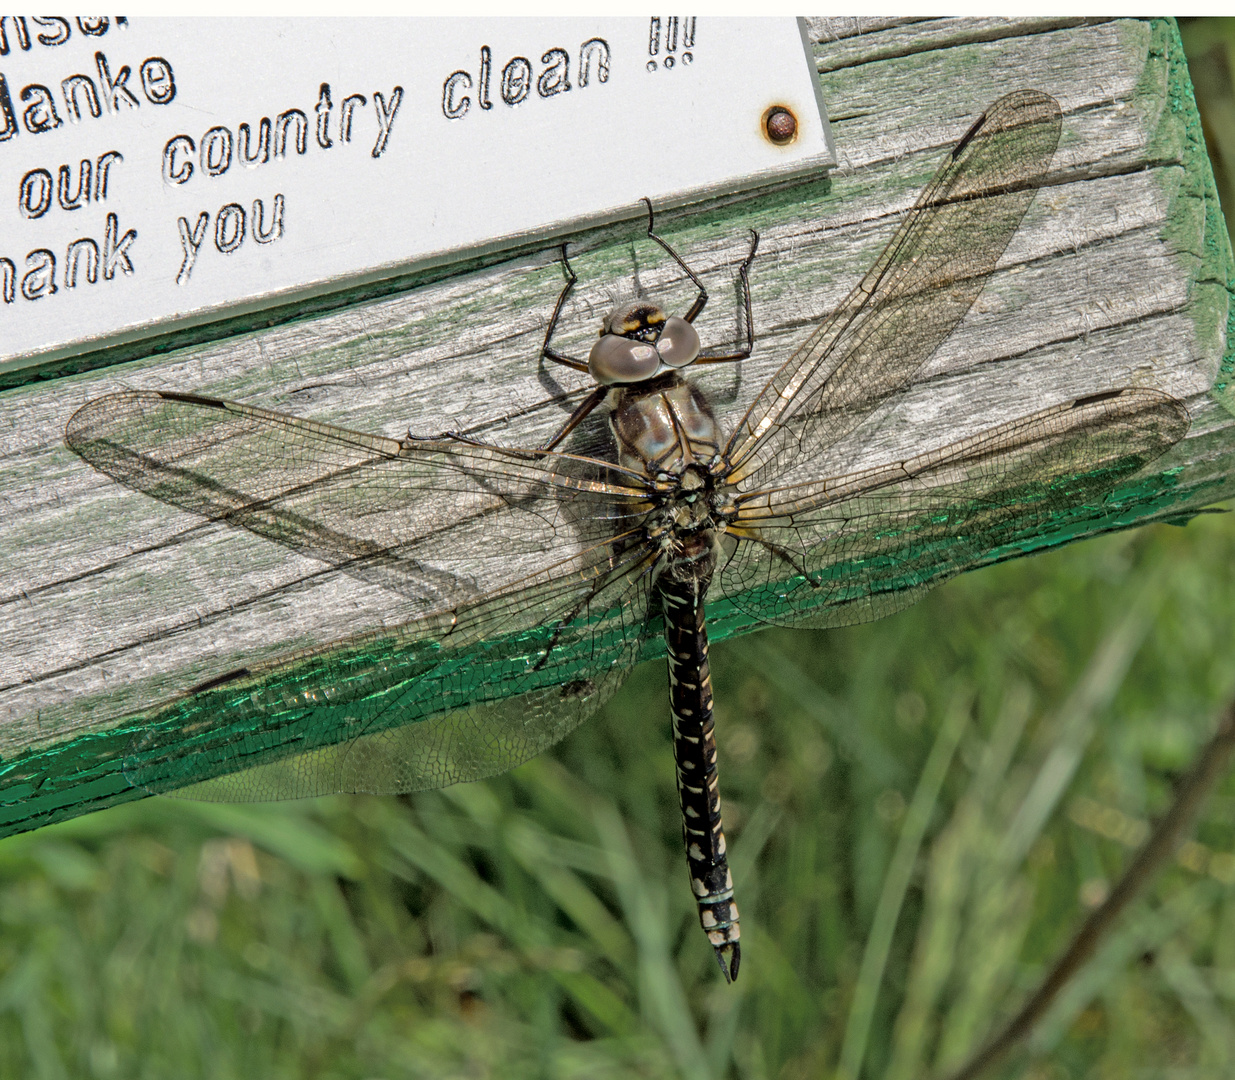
729, 967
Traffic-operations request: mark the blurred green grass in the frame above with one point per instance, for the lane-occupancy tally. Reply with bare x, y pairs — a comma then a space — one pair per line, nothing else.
931, 802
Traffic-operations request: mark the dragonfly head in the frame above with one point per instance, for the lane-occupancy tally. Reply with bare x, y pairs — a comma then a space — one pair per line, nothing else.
638, 342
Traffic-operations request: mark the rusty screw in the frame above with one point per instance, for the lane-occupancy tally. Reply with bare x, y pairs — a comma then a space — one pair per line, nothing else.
780, 124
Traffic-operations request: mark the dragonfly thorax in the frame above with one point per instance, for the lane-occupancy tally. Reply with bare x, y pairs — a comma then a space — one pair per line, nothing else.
638, 342
690, 504
663, 428
687, 521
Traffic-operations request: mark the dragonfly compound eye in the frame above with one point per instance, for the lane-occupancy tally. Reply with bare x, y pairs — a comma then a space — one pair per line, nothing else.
615, 359
678, 343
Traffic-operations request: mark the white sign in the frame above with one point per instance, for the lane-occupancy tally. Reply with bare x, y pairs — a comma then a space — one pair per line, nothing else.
158, 173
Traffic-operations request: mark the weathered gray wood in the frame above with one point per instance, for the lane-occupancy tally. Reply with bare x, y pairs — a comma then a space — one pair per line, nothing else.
847, 41
110, 602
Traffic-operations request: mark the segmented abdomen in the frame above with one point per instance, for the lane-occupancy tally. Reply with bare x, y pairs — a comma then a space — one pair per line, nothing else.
694, 751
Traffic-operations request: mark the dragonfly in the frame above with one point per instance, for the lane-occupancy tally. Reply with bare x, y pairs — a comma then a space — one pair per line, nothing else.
542, 575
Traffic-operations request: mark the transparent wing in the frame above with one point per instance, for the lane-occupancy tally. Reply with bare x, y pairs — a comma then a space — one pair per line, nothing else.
453, 697
503, 661
856, 547
437, 522
919, 289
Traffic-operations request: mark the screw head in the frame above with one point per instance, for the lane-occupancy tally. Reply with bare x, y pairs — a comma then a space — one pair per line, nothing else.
780, 125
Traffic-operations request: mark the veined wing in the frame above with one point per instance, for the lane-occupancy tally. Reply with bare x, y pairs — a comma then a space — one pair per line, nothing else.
452, 697
919, 289
852, 548
439, 522
499, 664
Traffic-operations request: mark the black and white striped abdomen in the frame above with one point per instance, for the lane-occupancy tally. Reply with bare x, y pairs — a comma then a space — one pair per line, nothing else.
694, 752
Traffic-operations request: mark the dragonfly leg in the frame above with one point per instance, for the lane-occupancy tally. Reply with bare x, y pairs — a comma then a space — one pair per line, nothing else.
744, 278
702, 298
697, 307
585, 407
451, 436
546, 350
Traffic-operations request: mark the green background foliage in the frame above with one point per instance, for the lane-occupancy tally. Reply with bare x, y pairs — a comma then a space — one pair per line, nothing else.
920, 812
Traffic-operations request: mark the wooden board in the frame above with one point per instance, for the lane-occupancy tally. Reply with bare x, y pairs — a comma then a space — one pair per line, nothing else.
111, 602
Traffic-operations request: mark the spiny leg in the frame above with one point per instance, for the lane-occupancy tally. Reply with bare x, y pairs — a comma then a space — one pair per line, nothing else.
547, 350
582, 411
702, 298
744, 278
589, 403
697, 307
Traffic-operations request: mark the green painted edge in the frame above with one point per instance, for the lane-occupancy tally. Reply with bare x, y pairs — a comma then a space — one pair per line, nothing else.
86, 774
1196, 196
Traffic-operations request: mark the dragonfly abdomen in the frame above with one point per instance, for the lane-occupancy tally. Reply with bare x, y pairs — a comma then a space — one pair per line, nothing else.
694, 752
